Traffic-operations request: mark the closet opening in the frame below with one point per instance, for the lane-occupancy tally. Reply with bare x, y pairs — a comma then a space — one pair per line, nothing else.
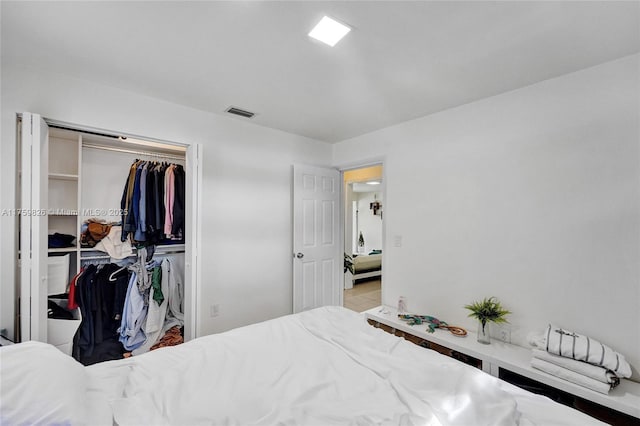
115, 246
363, 237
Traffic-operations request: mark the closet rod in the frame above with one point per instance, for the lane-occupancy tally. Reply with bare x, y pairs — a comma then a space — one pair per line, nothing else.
131, 151
106, 256
95, 257
82, 259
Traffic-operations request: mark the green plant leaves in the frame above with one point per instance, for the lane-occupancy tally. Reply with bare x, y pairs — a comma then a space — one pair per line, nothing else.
488, 310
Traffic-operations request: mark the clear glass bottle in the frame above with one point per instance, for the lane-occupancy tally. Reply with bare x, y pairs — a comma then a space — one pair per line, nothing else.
402, 305
483, 332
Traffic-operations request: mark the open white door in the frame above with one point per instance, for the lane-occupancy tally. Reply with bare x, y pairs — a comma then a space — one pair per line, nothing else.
317, 257
33, 227
192, 248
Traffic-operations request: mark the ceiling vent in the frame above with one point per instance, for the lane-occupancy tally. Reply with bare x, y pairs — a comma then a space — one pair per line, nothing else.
240, 112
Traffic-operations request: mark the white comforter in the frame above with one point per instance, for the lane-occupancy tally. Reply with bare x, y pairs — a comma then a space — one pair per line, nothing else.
321, 367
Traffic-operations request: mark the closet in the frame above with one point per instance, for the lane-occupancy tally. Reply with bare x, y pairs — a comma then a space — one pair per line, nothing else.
70, 175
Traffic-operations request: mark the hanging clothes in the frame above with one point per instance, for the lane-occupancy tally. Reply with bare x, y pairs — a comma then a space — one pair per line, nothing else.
169, 193
99, 291
172, 330
175, 295
71, 301
130, 309
127, 309
141, 224
111, 282
158, 201
177, 226
128, 220
153, 326
150, 210
133, 316
84, 338
153, 203
135, 198
167, 315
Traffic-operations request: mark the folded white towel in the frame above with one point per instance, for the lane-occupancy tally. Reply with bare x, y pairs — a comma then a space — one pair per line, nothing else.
571, 376
582, 348
595, 372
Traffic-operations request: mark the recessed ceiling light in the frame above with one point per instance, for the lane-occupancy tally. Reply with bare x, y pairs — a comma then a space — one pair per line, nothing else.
373, 182
329, 31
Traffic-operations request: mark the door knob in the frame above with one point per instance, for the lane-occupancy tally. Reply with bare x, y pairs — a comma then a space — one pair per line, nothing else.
299, 255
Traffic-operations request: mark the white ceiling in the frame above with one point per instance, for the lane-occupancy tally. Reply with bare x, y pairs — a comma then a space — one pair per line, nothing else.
402, 60
365, 187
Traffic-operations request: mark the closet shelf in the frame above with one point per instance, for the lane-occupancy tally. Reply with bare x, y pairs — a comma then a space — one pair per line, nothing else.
62, 250
63, 176
158, 247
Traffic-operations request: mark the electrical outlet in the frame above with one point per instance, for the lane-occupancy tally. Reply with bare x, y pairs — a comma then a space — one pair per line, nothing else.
503, 332
214, 310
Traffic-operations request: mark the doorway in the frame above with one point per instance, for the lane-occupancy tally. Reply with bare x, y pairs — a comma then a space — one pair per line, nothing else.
363, 237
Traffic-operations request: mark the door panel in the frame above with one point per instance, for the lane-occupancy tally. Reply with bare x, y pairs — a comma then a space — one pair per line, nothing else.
33, 227
317, 253
328, 223
193, 240
309, 221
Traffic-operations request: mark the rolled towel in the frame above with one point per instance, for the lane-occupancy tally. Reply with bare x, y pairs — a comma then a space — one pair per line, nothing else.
570, 376
595, 372
582, 348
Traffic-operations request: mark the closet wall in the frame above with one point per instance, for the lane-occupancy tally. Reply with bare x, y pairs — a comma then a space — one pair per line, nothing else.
246, 191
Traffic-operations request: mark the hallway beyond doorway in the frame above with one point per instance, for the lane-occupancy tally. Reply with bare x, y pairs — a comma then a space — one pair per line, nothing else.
363, 296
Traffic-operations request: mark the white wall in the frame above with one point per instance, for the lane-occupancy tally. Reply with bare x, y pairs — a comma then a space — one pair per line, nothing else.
369, 224
247, 230
532, 196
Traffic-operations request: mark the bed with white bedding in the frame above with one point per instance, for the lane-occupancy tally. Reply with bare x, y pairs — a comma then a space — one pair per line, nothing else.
321, 367
364, 266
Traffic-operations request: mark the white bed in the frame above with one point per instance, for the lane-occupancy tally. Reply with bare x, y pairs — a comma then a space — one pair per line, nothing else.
364, 266
321, 367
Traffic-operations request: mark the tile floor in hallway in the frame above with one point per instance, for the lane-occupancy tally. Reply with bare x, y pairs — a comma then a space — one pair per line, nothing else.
363, 296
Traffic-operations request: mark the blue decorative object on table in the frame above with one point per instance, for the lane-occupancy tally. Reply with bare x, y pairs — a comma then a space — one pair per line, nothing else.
432, 323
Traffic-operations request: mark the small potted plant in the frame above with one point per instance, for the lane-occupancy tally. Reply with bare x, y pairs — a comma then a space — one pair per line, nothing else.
361, 243
487, 311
